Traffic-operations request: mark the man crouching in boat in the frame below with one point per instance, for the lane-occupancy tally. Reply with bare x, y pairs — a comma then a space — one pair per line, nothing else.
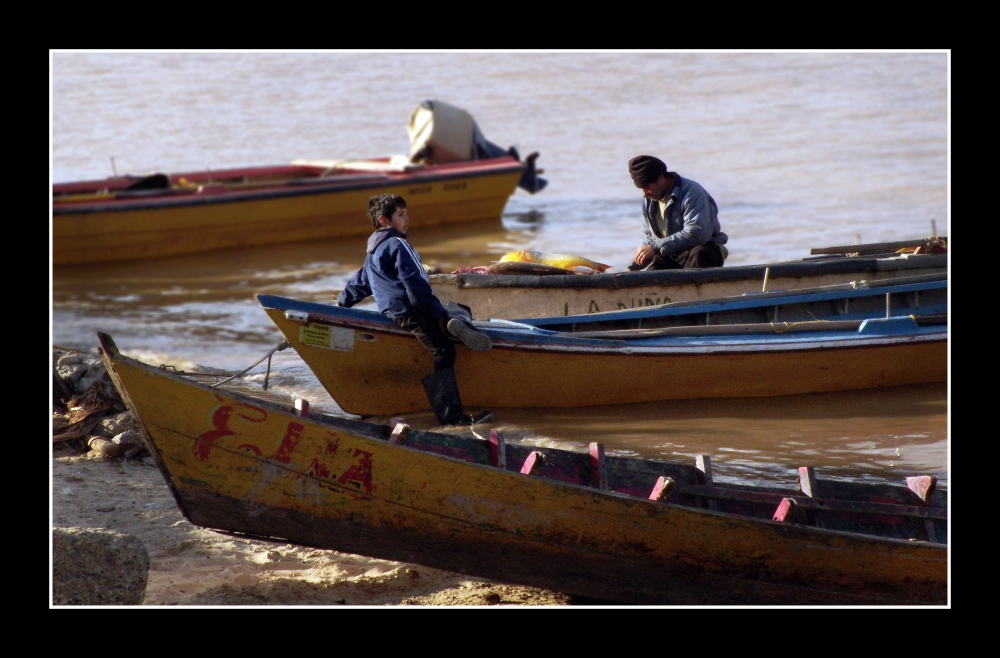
682, 220
393, 274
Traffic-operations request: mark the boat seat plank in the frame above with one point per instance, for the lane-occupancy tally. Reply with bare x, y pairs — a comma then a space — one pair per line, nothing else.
561, 465
638, 477
875, 492
457, 447
626, 475
827, 504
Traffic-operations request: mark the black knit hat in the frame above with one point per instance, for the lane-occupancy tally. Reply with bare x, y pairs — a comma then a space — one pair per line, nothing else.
645, 169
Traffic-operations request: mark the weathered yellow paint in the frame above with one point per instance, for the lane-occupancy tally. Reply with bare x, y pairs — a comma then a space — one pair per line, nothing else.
169, 230
382, 377
219, 443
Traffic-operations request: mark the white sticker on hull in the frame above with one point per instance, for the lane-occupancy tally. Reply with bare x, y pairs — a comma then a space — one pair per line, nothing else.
327, 337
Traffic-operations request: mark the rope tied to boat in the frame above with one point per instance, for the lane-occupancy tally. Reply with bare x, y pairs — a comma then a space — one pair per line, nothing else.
281, 346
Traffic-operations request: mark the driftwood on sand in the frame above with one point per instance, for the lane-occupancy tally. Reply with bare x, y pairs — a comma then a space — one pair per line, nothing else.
87, 411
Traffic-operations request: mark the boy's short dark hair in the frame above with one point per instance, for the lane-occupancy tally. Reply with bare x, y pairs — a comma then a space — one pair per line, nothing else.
384, 204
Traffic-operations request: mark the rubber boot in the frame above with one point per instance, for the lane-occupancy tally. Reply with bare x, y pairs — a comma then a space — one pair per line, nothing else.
460, 326
442, 392
471, 337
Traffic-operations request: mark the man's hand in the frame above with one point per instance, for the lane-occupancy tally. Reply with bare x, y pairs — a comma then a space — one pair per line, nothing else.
644, 254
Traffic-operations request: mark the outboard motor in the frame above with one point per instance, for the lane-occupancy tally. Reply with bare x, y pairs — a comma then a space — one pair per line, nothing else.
441, 133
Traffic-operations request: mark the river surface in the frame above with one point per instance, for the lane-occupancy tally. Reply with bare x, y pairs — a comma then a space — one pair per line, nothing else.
800, 150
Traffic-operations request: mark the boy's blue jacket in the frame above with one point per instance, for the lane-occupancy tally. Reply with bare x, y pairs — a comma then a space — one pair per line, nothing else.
393, 274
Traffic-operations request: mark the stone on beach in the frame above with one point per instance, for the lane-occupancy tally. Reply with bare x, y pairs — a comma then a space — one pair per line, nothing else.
79, 370
93, 566
114, 425
71, 373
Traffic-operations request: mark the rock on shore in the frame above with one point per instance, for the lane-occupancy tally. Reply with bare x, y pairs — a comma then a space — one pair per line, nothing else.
93, 566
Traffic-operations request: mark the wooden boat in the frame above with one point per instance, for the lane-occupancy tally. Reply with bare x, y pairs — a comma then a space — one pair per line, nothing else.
511, 296
126, 218
612, 528
372, 367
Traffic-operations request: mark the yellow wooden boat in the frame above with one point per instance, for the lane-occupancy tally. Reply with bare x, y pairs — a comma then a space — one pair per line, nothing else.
120, 219
452, 174
611, 528
866, 338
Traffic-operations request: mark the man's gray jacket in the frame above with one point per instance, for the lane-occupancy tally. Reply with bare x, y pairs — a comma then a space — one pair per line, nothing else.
692, 219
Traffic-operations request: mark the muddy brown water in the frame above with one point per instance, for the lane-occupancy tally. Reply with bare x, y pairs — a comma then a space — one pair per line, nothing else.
800, 150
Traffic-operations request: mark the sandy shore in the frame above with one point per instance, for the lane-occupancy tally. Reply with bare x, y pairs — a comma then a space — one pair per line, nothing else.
192, 566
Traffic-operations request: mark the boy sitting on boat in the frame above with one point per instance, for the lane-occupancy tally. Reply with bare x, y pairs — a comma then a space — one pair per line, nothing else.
394, 275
